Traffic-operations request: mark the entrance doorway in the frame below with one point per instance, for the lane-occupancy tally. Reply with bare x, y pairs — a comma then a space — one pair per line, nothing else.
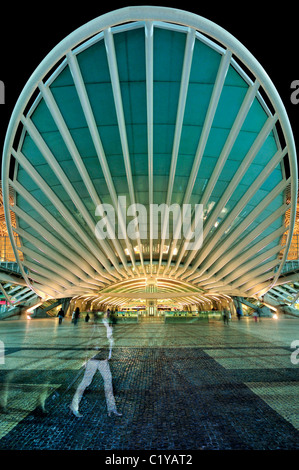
151, 311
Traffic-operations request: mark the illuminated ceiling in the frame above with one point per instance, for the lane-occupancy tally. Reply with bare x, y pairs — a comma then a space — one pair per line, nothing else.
161, 106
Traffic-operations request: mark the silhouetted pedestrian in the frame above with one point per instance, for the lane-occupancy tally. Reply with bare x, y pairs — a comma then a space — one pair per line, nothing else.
60, 316
76, 315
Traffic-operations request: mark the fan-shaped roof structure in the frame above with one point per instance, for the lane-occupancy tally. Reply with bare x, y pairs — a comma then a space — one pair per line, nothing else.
159, 106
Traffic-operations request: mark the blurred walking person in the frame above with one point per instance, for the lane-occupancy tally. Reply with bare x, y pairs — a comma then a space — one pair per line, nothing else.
60, 316
101, 341
225, 315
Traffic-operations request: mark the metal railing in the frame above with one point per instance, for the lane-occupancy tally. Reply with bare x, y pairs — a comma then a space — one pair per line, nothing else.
290, 265
10, 266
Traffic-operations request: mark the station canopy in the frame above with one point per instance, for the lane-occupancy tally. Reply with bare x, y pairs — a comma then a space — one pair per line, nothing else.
157, 106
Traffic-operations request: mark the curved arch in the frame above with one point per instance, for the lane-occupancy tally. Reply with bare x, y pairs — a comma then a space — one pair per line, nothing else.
115, 261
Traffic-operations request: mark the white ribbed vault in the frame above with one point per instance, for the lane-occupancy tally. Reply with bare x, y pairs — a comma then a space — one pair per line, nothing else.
161, 106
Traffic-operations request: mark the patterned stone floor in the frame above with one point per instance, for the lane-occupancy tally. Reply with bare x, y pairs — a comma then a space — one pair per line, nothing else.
182, 387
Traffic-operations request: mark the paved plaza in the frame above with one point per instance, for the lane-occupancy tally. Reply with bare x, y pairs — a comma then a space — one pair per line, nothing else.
201, 385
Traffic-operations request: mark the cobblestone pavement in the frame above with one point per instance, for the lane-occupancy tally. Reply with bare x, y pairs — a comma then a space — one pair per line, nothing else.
203, 385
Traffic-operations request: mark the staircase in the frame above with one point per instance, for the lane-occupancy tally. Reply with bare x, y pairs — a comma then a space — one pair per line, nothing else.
47, 309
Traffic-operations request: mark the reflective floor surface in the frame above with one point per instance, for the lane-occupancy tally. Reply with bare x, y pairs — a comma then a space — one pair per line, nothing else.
201, 385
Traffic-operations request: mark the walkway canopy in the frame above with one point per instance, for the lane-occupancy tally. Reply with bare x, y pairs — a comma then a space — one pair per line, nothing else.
159, 106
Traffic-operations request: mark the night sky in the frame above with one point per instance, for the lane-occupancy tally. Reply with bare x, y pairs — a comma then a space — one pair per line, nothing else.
28, 34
